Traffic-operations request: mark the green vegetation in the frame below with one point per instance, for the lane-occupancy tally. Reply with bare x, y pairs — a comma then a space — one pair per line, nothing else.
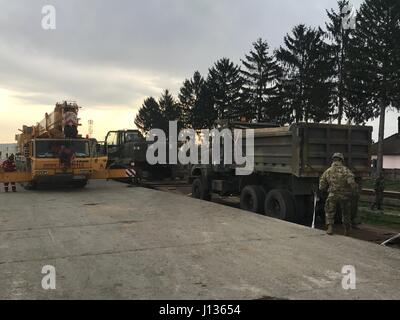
389, 185
388, 218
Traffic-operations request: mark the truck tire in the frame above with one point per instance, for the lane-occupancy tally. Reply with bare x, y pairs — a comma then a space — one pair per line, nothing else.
252, 199
280, 204
200, 190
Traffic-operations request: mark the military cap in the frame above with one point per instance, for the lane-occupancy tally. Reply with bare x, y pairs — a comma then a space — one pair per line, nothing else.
338, 156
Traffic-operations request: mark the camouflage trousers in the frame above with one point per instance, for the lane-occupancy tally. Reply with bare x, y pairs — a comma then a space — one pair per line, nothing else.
338, 201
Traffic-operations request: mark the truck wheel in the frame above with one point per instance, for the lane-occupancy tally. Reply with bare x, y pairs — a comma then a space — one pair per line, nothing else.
200, 190
252, 199
280, 204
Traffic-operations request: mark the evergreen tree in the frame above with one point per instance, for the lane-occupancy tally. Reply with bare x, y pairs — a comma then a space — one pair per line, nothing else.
170, 110
305, 85
260, 73
188, 96
375, 58
197, 107
225, 84
149, 116
339, 38
204, 114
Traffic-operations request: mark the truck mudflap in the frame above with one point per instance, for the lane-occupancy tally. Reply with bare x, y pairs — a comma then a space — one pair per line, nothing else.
15, 177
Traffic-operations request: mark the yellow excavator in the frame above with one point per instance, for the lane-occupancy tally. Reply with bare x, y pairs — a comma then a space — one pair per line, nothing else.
53, 153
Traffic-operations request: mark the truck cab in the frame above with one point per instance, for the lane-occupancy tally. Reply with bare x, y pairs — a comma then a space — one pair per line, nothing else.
59, 161
125, 147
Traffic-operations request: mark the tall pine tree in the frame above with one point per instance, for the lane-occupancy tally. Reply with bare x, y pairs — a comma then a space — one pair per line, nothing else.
339, 43
170, 110
149, 116
156, 115
260, 73
196, 103
225, 84
375, 59
306, 82
204, 114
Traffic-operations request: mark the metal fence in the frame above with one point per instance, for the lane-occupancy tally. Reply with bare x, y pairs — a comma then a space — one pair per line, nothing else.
390, 174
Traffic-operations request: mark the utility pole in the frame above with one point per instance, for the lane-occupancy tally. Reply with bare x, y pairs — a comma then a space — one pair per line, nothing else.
90, 129
382, 118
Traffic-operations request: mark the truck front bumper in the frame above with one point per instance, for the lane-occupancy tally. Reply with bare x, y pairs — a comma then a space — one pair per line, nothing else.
59, 178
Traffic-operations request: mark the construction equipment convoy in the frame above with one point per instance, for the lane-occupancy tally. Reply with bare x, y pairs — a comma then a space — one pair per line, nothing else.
52, 152
288, 162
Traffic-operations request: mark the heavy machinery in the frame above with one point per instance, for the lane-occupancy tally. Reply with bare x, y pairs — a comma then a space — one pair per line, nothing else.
53, 153
288, 162
125, 147
128, 148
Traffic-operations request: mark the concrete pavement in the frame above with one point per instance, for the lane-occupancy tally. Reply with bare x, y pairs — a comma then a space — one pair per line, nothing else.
113, 242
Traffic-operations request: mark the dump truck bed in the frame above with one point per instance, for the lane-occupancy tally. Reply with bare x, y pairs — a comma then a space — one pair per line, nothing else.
305, 150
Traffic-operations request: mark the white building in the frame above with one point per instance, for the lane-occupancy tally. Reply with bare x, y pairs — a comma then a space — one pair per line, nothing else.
7, 148
391, 152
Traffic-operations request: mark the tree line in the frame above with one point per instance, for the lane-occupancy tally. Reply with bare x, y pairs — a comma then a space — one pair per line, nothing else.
317, 75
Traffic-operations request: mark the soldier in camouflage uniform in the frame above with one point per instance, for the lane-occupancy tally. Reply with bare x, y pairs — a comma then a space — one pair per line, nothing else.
379, 191
339, 181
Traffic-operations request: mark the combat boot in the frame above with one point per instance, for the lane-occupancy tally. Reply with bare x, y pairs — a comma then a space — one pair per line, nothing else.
347, 229
329, 230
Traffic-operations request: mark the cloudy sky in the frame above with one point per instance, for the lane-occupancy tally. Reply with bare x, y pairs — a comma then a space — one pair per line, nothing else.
109, 55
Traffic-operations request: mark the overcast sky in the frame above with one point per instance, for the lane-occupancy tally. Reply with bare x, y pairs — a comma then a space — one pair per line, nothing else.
109, 55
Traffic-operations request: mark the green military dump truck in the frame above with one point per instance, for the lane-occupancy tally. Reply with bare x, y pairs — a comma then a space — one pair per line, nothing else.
288, 162
126, 149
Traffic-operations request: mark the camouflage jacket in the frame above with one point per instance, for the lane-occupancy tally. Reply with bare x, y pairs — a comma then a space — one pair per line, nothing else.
338, 180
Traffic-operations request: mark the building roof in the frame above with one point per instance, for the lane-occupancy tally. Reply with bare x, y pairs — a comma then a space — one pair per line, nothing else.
391, 146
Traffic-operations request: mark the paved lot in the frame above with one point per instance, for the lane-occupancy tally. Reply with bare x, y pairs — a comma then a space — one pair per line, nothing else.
113, 242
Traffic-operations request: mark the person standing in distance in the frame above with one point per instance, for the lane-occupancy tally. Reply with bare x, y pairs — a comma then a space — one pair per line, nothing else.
9, 166
379, 188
